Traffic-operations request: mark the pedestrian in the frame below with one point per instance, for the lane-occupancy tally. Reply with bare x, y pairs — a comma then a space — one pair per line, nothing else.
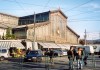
51, 55
71, 57
46, 53
79, 58
75, 52
28, 50
85, 53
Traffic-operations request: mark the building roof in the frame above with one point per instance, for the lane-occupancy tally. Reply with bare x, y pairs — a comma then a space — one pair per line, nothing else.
31, 25
35, 14
8, 15
53, 11
72, 31
39, 17
21, 26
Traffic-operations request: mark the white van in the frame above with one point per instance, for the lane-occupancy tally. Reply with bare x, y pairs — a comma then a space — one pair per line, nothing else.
88, 48
4, 53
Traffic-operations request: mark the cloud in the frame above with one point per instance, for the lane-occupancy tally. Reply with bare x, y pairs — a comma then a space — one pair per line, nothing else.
92, 6
25, 11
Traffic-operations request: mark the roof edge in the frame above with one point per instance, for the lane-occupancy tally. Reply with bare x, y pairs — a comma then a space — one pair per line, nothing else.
72, 31
8, 15
53, 11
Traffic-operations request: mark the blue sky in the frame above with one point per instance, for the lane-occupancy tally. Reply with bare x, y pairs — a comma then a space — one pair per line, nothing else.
82, 14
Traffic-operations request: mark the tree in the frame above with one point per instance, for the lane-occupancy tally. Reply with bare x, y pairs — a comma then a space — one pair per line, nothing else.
9, 34
82, 41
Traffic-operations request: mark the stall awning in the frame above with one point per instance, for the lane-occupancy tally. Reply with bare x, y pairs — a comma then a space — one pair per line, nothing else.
61, 46
42, 44
5, 44
49, 45
17, 45
67, 46
8, 44
54, 45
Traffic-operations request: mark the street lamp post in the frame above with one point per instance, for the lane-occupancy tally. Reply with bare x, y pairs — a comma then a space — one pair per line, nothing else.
85, 37
94, 55
33, 43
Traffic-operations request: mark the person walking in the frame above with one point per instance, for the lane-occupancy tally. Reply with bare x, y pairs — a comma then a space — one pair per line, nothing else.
28, 50
51, 55
75, 53
85, 53
71, 57
79, 58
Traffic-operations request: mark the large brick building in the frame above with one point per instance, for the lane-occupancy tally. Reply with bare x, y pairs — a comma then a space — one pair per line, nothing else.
50, 26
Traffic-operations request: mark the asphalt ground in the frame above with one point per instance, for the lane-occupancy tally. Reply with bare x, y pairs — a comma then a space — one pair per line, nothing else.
60, 63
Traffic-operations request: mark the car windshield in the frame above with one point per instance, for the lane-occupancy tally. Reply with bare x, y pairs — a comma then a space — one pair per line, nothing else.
33, 52
64, 50
4, 50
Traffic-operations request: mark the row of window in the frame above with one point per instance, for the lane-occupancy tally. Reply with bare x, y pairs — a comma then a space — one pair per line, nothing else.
42, 17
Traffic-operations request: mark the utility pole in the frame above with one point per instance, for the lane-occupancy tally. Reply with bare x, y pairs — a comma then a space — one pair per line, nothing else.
85, 36
99, 35
33, 46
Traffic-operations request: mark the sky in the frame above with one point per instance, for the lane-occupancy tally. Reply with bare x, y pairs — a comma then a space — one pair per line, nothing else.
82, 14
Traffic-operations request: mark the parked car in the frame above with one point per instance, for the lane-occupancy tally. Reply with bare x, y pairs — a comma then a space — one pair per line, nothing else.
57, 53
64, 52
4, 53
34, 55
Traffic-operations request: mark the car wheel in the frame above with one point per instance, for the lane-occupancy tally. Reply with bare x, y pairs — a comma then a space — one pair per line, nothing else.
25, 60
59, 55
55, 54
2, 58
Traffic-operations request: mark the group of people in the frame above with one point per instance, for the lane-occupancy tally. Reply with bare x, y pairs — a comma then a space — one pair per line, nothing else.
50, 54
74, 54
17, 52
78, 54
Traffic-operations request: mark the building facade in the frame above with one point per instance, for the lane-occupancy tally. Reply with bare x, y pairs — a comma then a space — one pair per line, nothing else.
7, 21
50, 26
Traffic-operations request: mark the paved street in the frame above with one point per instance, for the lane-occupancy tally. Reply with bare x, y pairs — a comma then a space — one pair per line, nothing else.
60, 63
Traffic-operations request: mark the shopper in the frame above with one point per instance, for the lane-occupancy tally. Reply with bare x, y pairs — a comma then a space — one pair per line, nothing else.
79, 58
85, 56
71, 57
51, 55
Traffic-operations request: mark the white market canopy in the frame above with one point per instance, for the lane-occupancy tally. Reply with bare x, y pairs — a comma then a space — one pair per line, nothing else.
54, 45
11, 43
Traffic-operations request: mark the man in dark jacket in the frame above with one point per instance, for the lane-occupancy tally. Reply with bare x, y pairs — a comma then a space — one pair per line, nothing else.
79, 58
85, 54
51, 55
71, 57
28, 50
